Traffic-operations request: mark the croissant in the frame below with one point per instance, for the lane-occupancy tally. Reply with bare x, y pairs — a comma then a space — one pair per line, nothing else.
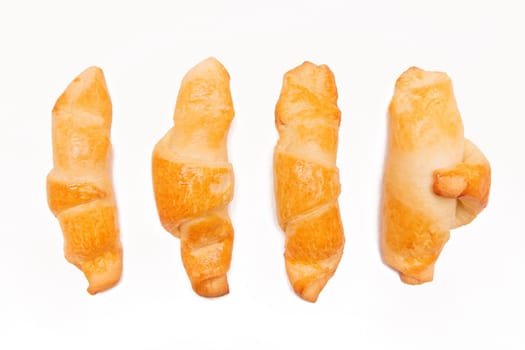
193, 180
306, 178
79, 187
434, 180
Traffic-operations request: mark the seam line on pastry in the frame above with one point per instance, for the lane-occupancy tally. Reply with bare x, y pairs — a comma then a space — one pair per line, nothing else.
311, 212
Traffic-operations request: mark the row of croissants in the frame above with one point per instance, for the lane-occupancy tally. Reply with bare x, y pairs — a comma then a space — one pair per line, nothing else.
434, 179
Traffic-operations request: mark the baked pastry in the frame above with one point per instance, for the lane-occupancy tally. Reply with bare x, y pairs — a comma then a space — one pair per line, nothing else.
435, 180
193, 180
79, 187
306, 178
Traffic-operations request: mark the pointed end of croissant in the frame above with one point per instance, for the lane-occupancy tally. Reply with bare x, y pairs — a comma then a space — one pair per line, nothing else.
212, 287
310, 290
318, 79
87, 93
204, 69
417, 78
92, 73
306, 90
426, 275
205, 96
102, 273
308, 281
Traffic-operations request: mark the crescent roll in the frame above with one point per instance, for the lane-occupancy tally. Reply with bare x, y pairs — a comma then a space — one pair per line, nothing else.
193, 180
435, 180
306, 178
79, 187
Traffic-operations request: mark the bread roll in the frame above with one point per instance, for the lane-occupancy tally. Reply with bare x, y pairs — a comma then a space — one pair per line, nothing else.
434, 179
79, 187
193, 180
306, 177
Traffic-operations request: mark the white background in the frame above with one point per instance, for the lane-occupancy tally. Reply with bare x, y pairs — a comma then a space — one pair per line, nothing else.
477, 297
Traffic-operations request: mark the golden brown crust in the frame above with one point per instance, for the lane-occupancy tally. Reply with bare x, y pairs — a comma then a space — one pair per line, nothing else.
71, 195
306, 177
412, 242
468, 182
192, 179
428, 165
195, 192
79, 187
305, 185
206, 247
423, 110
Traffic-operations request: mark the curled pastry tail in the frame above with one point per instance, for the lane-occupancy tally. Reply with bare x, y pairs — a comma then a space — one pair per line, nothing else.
468, 182
419, 277
314, 247
308, 280
206, 249
103, 272
91, 242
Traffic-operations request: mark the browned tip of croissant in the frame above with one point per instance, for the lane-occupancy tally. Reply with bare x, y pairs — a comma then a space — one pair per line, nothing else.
207, 79
307, 282
426, 275
417, 90
415, 78
212, 287
317, 79
423, 110
204, 97
447, 185
308, 279
103, 272
310, 290
308, 91
203, 69
86, 94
